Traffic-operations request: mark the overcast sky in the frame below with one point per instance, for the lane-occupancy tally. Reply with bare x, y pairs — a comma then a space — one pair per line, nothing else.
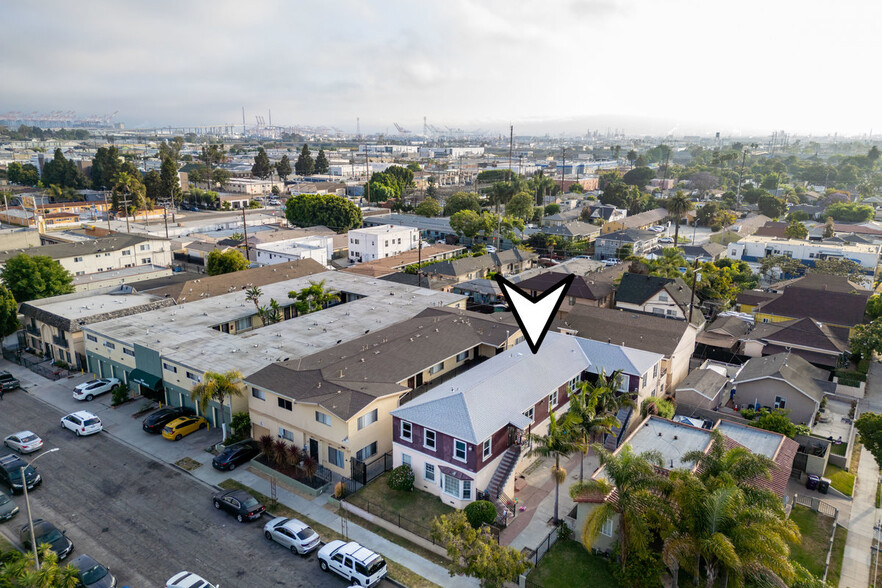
561, 65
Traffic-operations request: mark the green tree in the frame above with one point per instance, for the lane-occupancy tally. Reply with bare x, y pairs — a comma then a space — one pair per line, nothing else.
576, 188
170, 185
305, 165
639, 487
313, 298
466, 223
520, 206
128, 193
217, 387
639, 176
846, 268
631, 157
220, 177
586, 419
874, 307
33, 277
829, 228
283, 168
428, 207
462, 201
678, 205
777, 420
8, 313
657, 406
62, 172
401, 178
771, 206
869, 425
152, 185
556, 442
334, 212
476, 553
796, 230
322, 165
850, 212
865, 341
225, 262
106, 166
541, 185
20, 571
213, 155
552, 209
253, 295
262, 167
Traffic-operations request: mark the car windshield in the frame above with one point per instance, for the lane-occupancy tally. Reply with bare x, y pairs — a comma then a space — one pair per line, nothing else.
91, 422
306, 534
29, 438
94, 574
250, 502
3, 499
15, 474
51, 537
377, 565
93, 382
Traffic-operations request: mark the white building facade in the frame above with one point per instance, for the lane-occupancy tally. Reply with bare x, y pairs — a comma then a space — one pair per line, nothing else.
753, 249
320, 249
370, 243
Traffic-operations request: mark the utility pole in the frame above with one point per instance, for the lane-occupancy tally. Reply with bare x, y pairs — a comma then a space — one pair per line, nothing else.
692, 293
563, 168
510, 149
740, 175
106, 211
245, 231
126, 209
367, 173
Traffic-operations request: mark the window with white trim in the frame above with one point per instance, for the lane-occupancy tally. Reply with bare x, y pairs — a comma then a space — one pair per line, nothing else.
286, 434
429, 439
607, 528
466, 490
323, 418
243, 323
367, 419
459, 450
430, 472
574, 383
552, 400
780, 401
406, 431
436, 368
529, 413
487, 448
451, 485
405, 460
366, 452
258, 393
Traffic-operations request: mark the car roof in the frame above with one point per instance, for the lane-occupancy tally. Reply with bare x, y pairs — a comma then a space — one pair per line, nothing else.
178, 420
189, 579
85, 562
83, 414
357, 552
23, 434
295, 525
240, 494
11, 460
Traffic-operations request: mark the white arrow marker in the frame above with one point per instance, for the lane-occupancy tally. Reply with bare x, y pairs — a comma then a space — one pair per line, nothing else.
534, 313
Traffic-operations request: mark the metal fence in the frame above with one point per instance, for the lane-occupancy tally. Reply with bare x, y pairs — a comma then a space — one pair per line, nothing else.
395, 518
816, 504
537, 553
364, 472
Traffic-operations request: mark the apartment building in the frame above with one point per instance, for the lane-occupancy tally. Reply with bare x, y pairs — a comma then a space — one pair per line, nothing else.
370, 243
318, 248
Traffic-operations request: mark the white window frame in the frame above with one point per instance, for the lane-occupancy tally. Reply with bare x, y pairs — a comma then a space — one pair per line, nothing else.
456, 481
487, 448
530, 414
322, 418
286, 434
465, 450
367, 419
405, 460
552, 401
436, 368
406, 436
574, 383
434, 444
463, 356
258, 393
606, 528
429, 472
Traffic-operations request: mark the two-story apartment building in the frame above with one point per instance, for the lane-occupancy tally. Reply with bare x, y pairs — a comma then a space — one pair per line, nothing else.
318, 248
369, 243
754, 248
456, 435
336, 403
621, 244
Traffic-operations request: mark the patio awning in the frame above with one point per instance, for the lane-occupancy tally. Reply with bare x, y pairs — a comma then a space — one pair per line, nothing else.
145, 379
520, 421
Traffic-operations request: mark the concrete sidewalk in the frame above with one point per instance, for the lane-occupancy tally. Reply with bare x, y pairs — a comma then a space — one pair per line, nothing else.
858, 546
120, 424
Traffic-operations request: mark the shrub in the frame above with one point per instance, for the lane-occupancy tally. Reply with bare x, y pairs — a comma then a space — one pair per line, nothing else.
339, 489
748, 413
62, 364
564, 533
121, 394
401, 478
241, 425
658, 406
480, 512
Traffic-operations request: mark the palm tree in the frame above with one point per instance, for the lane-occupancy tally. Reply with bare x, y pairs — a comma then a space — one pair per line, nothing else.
609, 402
558, 440
216, 387
586, 421
313, 298
678, 205
253, 295
634, 504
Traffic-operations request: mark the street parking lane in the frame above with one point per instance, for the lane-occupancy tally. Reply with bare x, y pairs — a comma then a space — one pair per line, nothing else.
142, 518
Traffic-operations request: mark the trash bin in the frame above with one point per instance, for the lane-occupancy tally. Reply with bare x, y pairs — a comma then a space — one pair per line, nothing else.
812, 482
824, 485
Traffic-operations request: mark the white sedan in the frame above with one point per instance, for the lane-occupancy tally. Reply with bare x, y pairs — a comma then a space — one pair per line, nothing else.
296, 536
92, 388
23, 442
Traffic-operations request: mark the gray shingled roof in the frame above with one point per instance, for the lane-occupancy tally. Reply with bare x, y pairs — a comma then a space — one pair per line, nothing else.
631, 329
791, 368
706, 382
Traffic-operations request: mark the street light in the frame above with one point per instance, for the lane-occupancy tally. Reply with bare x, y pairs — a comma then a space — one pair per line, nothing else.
24, 483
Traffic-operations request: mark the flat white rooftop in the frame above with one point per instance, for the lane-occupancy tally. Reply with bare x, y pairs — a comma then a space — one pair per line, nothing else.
80, 308
756, 440
672, 440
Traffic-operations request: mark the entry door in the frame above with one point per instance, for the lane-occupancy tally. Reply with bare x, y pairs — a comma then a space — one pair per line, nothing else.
314, 450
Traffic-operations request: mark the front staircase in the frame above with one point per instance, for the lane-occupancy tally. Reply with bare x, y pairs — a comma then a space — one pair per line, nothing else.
504, 505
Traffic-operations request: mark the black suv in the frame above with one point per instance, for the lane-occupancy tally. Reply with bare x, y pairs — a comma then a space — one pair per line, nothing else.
10, 473
159, 419
8, 381
236, 454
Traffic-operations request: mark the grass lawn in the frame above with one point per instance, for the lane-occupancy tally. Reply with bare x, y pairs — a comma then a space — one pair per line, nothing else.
839, 449
840, 479
815, 529
396, 571
568, 565
413, 511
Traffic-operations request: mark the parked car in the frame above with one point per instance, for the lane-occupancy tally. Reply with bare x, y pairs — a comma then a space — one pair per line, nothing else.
46, 532
92, 388
159, 419
490, 248
582, 257
235, 455
8, 508
657, 229
93, 574
666, 240
181, 427
23, 442
239, 503
8, 381
296, 536
10, 474
357, 564
188, 580
611, 262
82, 422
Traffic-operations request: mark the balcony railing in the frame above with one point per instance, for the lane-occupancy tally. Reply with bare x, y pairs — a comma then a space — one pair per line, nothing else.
60, 341
31, 330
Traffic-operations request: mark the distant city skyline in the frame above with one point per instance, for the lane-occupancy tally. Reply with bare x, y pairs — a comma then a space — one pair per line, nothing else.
559, 67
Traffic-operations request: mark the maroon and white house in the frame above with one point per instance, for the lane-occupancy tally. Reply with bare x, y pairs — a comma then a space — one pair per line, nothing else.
467, 435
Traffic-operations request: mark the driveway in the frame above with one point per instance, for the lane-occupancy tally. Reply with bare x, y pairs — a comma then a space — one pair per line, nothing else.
144, 519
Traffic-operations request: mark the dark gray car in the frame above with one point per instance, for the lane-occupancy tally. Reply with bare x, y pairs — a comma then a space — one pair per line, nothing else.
92, 573
8, 508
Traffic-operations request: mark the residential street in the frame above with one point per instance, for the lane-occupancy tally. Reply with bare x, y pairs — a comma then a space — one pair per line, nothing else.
142, 518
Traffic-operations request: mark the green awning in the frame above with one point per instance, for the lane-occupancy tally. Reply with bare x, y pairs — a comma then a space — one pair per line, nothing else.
145, 379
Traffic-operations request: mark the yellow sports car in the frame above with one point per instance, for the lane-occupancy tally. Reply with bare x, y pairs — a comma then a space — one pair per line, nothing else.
183, 426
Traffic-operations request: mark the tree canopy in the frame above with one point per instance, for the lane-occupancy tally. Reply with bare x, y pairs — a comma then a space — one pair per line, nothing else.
8, 313
33, 277
850, 212
796, 230
428, 207
462, 201
283, 168
639, 176
334, 212
262, 167
869, 425
62, 172
322, 165
225, 262
305, 165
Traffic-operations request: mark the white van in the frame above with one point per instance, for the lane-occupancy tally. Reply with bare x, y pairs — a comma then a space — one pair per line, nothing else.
358, 564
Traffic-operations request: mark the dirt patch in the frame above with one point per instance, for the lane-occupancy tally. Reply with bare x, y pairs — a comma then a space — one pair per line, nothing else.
188, 464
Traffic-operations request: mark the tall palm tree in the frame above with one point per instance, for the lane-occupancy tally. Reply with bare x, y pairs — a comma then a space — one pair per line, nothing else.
216, 386
556, 442
678, 205
639, 487
609, 401
586, 420
253, 295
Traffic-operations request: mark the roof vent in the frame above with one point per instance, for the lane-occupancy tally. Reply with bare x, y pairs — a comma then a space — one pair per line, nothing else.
659, 434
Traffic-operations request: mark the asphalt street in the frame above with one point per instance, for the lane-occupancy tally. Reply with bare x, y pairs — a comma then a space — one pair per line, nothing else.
144, 519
